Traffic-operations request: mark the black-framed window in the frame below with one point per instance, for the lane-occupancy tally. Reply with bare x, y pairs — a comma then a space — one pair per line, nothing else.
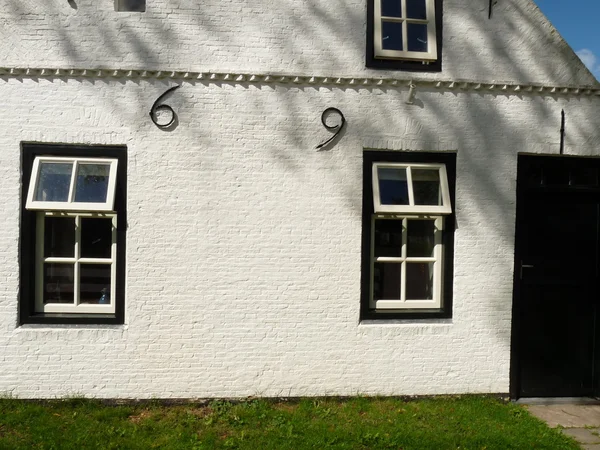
407, 235
404, 35
72, 235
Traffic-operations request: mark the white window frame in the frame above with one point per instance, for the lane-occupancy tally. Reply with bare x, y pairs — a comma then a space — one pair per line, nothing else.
70, 204
380, 52
436, 259
76, 260
412, 208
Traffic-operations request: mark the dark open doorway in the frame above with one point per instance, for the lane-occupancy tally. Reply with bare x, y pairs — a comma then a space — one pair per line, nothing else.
556, 306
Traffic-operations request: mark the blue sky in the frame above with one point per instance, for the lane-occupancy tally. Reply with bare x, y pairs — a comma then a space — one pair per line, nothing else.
577, 22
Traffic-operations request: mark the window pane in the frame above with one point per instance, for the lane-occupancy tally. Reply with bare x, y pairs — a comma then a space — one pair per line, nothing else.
96, 237
391, 36
58, 283
388, 237
421, 238
95, 284
533, 175
53, 182
417, 37
584, 176
419, 281
92, 183
556, 175
387, 281
416, 9
393, 187
391, 8
59, 237
426, 187
131, 5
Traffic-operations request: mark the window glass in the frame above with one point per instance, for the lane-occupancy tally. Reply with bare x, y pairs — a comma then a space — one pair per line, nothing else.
556, 175
393, 186
96, 237
584, 176
388, 237
131, 5
533, 176
94, 287
419, 281
420, 238
391, 8
416, 9
391, 36
54, 186
387, 281
53, 182
59, 237
426, 187
92, 183
58, 283
417, 37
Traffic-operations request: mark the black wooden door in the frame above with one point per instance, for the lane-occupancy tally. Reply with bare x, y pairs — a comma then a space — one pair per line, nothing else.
556, 279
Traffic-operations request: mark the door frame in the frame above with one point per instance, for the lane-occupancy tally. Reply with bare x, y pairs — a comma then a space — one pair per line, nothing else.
521, 191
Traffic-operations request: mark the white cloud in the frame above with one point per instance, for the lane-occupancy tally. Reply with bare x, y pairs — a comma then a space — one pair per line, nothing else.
590, 60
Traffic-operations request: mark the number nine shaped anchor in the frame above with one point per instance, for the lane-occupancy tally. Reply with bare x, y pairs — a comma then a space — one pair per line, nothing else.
337, 128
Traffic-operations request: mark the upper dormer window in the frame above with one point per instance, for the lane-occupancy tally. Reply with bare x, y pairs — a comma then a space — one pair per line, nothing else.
404, 34
405, 29
130, 5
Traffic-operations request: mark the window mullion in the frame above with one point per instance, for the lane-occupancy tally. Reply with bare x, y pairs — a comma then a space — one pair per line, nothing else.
403, 266
372, 263
113, 257
404, 27
411, 195
388, 259
39, 262
76, 282
438, 253
72, 185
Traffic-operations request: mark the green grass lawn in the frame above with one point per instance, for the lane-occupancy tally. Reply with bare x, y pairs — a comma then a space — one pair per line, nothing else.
470, 422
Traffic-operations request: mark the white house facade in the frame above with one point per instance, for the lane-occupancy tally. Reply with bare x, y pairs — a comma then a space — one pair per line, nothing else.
230, 199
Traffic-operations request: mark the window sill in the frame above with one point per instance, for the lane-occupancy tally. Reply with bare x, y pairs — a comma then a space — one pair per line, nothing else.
407, 315
404, 65
72, 319
405, 322
50, 327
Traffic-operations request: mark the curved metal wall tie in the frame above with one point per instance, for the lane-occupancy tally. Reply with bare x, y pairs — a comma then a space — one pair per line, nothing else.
163, 108
337, 128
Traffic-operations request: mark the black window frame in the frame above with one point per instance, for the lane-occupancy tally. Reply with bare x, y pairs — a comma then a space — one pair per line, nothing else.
403, 64
374, 156
27, 244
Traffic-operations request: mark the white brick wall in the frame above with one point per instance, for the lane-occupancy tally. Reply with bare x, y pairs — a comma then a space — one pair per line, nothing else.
244, 244
321, 37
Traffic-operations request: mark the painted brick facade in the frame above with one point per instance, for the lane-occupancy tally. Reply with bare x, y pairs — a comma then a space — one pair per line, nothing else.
243, 242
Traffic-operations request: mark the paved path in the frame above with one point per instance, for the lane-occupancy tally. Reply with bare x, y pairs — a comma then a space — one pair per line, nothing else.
582, 422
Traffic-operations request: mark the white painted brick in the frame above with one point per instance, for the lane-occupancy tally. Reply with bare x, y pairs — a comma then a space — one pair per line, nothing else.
244, 243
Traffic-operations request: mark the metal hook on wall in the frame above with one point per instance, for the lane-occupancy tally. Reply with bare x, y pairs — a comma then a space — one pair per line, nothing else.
412, 91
